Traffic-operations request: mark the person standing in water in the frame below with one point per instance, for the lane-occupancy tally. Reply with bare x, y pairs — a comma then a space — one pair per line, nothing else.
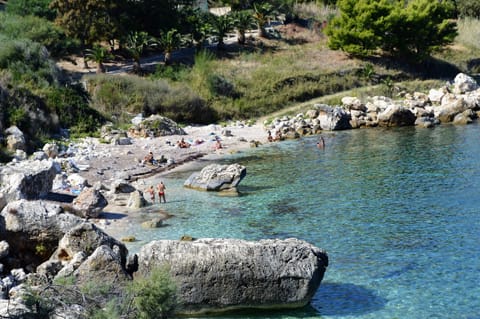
151, 191
321, 143
161, 192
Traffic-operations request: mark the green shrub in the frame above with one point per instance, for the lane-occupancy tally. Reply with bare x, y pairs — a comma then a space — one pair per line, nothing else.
71, 105
154, 296
36, 29
39, 8
28, 62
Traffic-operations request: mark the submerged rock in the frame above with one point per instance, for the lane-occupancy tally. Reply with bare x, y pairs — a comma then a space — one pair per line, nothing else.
215, 275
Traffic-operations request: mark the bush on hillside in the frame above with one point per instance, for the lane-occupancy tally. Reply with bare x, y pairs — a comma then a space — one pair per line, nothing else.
15, 27
71, 106
27, 111
28, 62
39, 8
119, 98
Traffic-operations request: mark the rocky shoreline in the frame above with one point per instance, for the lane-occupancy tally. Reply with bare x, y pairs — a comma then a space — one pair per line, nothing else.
48, 202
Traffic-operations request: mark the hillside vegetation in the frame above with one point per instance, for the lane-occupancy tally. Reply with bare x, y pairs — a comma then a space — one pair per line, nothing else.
196, 82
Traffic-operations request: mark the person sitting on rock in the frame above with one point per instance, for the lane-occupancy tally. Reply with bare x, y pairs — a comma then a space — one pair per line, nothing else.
148, 158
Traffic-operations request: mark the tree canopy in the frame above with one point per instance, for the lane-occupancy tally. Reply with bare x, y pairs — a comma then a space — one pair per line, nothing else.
412, 29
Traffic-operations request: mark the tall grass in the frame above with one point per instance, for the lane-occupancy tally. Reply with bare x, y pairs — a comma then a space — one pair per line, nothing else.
469, 32
314, 11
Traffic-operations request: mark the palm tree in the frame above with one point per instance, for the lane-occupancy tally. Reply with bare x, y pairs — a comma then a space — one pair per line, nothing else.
262, 14
243, 21
221, 26
98, 55
169, 42
136, 43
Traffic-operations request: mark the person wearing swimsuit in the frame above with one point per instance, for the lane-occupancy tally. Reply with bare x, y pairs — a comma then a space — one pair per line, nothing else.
161, 192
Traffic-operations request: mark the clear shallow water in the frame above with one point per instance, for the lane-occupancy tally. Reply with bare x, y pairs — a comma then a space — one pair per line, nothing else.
397, 211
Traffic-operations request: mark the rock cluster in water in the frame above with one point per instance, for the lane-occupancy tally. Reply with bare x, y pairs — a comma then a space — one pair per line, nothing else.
457, 103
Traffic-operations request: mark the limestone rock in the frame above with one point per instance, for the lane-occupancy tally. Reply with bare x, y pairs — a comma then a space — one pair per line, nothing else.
15, 139
32, 230
450, 107
215, 177
136, 200
89, 203
155, 126
104, 265
86, 238
51, 149
353, 103
396, 115
214, 275
333, 118
464, 83
153, 223
28, 179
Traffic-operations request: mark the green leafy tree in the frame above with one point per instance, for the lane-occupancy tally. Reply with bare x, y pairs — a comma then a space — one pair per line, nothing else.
89, 21
360, 28
99, 55
419, 28
169, 42
39, 8
221, 25
198, 26
243, 21
413, 30
262, 13
136, 44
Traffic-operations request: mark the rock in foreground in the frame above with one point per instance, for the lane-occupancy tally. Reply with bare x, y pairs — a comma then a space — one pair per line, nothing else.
217, 275
217, 177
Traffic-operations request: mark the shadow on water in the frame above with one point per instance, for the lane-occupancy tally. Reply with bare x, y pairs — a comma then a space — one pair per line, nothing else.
112, 216
340, 299
305, 312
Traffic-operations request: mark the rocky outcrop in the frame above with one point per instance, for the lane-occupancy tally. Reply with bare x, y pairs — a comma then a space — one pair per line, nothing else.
457, 103
136, 200
27, 180
15, 139
155, 126
215, 177
89, 203
332, 118
32, 230
214, 275
396, 115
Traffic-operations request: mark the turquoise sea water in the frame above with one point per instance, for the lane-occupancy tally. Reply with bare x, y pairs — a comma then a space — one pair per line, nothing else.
397, 210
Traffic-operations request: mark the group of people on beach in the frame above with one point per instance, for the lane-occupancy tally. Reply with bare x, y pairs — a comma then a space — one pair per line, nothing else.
160, 190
